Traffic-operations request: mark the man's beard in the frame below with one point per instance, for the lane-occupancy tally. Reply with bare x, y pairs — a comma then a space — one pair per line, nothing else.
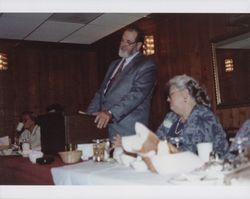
125, 54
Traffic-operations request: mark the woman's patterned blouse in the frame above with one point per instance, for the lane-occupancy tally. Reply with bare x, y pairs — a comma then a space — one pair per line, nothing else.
201, 126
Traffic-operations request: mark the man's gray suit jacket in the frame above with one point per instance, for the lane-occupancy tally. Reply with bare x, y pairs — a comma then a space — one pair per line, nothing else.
129, 97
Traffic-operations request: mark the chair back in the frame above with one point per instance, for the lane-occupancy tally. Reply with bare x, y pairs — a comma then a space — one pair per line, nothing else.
53, 137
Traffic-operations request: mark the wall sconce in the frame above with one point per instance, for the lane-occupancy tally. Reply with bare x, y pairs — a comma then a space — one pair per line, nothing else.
3, 61
149, 46
229, 65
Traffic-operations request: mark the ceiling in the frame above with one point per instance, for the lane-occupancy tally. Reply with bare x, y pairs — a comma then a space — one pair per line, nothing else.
76, 28
87, 28
241, 41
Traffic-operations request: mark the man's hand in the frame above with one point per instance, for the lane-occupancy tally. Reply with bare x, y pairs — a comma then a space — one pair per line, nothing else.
102, 119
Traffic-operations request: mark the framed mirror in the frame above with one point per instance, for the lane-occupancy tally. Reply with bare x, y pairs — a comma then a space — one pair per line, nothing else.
231, 66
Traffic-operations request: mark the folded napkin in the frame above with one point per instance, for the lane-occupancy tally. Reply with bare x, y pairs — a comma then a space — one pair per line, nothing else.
182, 162
122, 158
116, 154
139, 165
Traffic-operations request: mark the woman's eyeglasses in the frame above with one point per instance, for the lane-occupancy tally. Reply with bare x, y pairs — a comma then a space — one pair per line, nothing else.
171, 93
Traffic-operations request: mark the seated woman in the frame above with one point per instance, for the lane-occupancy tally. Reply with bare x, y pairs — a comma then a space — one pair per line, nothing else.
191, 119
32, 132
243, 136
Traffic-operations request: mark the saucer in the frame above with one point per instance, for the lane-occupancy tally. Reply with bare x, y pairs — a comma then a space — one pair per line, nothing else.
193, 179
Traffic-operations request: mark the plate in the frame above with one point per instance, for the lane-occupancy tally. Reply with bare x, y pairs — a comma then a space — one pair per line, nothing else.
2, 147
25, 154
193, 179
14, 153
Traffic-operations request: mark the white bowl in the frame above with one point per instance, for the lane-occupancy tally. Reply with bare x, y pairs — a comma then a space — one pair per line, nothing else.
25, 153
7, 151
70, 157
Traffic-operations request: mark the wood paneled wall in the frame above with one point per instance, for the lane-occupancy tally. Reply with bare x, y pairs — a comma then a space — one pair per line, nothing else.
43, 73
234, 84
40, 74
183, 45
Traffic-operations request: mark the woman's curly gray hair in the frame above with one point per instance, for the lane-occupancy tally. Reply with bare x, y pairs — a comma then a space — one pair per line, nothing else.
184, 81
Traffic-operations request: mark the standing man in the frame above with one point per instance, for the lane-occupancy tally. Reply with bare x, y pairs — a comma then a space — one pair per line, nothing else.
125, 93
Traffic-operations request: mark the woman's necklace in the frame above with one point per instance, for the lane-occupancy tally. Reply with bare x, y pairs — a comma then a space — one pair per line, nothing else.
177, 132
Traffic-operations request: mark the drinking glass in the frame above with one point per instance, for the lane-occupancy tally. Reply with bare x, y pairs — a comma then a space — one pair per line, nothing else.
176, 141
98, 150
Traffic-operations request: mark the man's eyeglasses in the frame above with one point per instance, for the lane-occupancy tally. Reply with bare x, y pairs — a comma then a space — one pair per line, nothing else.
129, 43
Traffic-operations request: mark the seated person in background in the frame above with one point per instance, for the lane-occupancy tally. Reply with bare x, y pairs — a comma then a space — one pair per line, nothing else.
191, 118
31, 133
242, 136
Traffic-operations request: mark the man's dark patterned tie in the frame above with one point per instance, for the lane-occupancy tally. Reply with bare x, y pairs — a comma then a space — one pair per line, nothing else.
118, 72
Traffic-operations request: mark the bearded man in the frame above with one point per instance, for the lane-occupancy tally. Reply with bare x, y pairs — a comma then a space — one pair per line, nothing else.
125, 94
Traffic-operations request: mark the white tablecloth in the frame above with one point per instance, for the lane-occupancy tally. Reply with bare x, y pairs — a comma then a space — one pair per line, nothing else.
112, 173
104, 173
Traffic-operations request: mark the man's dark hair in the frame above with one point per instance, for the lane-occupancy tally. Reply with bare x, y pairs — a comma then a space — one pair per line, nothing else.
140, 35
57, 108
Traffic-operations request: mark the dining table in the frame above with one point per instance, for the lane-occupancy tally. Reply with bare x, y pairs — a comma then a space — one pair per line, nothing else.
114, 178
19, 170
109, 179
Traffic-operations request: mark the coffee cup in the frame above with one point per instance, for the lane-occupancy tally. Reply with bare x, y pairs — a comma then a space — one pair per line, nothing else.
34, 155
204, 149
19, 126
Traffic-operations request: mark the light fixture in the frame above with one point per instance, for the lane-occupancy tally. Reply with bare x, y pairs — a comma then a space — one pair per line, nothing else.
3, 61
149, 46
229, 65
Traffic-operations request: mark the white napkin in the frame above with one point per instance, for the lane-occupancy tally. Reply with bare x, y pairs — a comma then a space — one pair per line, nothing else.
34, 155
176, 163
116, 154
4, 140
139, 165
126, 159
